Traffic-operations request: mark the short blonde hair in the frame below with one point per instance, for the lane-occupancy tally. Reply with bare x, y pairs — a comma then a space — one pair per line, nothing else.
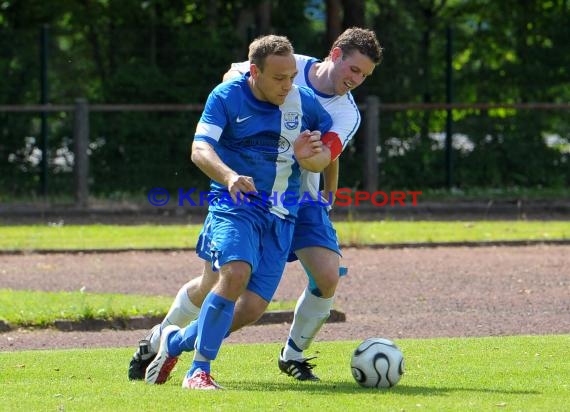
265, 46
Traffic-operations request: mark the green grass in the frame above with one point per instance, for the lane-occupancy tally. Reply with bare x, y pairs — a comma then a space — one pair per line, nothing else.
526, 373
42, 309
32, 308
386, 232
97, 237
38, 237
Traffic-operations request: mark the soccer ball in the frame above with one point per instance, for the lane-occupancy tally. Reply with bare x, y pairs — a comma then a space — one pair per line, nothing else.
377, 363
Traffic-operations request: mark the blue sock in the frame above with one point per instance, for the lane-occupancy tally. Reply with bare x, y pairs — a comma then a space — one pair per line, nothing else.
173, 343
184, 340
205, 366
214, 323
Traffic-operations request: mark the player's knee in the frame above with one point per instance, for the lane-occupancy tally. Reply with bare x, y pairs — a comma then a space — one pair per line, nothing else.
327, 282
234, 277
230, 287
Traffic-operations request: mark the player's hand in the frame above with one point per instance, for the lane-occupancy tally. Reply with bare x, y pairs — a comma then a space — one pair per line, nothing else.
240, 184
308, 144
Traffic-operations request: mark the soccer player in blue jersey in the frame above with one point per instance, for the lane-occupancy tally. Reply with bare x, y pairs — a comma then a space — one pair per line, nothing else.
252, 140
352, 57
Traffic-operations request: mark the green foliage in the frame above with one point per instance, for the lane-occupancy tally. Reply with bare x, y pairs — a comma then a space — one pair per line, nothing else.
492, 148
527, 373
495, 60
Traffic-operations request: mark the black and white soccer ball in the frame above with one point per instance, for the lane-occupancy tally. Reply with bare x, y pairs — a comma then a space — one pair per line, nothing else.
377, 363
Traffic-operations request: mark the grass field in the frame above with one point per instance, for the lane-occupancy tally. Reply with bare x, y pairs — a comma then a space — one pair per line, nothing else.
353, 233
526, 373
24, 308
520, 373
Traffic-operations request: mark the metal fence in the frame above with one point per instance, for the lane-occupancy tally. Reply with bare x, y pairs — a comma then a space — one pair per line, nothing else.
390, 150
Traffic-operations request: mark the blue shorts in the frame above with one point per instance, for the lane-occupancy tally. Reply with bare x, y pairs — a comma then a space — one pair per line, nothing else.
313, 228
251, 235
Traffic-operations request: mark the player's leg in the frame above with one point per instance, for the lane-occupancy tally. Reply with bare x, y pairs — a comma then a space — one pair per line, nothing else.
272, 251
315, 244
311, 311
212, 325
322, 267
248, 309
217, 312
186, 306
187, 303
236, 256
184, 309
251, 304
268, 261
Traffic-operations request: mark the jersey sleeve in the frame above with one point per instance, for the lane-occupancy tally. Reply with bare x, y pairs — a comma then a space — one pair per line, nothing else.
346, 119
323, 120
212, 121
241, 67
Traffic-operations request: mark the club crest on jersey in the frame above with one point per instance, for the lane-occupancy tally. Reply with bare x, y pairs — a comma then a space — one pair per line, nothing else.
283, 145
291, 120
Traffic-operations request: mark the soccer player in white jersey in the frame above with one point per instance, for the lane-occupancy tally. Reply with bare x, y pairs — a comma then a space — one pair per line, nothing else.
252, 140
353, 57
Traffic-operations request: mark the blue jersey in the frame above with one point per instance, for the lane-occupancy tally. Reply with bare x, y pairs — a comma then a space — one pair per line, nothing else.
255, 139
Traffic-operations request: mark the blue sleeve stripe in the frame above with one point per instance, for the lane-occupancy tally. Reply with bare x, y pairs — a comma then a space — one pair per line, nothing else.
207, 139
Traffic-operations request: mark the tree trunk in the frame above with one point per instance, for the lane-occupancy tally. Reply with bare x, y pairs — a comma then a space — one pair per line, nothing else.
353, 13
263, 18
334, 21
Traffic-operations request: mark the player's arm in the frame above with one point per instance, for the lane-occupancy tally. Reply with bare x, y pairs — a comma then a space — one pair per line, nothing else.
330, 177
203, 154
205, 157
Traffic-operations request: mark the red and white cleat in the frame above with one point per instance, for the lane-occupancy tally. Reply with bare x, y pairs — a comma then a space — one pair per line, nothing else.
200, 380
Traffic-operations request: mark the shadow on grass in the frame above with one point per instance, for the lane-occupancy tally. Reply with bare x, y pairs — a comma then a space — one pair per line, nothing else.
351, 387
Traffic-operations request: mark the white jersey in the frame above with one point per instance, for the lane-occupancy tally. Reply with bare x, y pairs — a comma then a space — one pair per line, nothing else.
342, 109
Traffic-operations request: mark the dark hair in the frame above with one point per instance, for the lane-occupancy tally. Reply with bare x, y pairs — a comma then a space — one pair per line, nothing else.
363, 40
265, 46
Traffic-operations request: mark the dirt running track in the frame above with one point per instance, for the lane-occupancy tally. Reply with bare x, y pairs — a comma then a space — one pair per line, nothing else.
396, 293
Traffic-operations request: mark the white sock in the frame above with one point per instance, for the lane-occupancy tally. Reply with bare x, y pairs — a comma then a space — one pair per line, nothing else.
181, 313
311, 313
